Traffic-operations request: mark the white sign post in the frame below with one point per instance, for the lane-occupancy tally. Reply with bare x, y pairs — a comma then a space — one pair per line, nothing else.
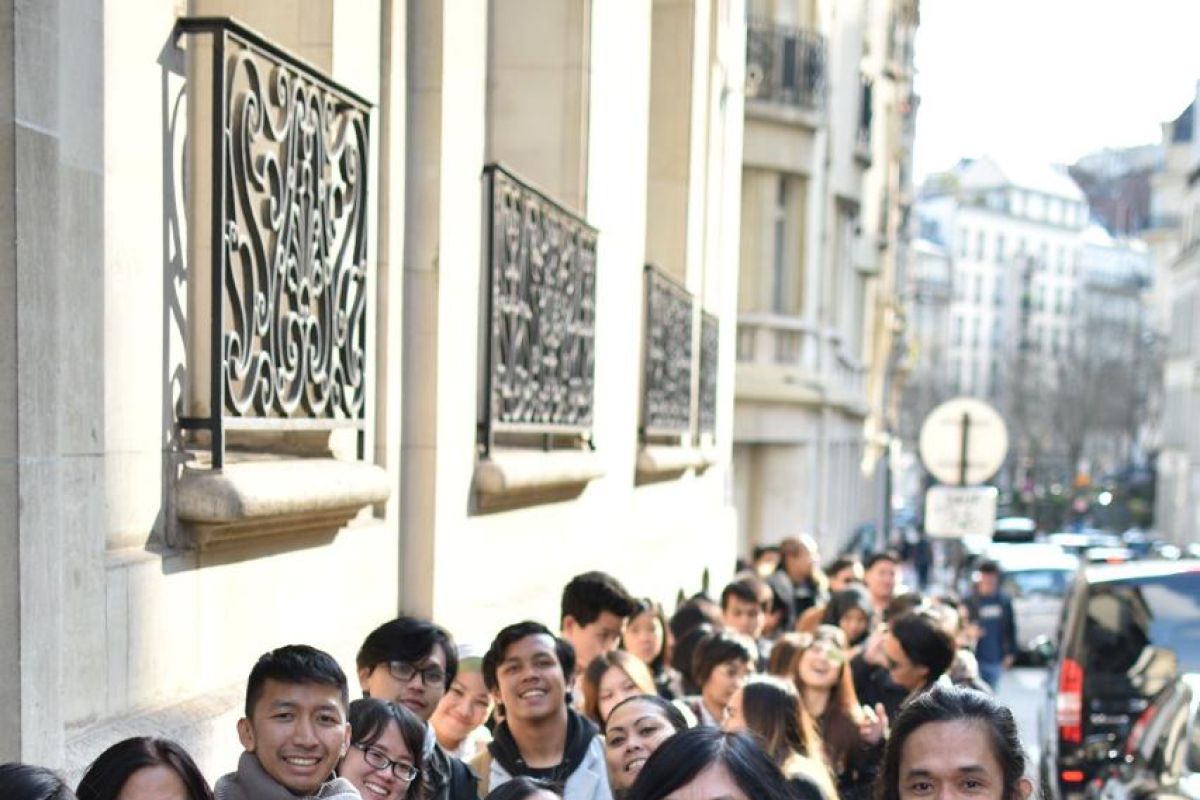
963, 443
952, 512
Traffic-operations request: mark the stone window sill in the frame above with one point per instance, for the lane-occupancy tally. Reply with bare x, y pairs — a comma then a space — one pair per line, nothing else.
663, 462
515, 478
275, 497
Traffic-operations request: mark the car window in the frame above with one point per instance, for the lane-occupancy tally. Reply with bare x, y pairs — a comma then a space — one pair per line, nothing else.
1139, 624
1038, 581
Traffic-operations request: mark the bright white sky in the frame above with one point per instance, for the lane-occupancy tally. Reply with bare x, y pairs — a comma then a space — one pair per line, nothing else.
1049, 80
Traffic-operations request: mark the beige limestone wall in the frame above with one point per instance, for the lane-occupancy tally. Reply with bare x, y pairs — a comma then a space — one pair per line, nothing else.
486, 570
167, 635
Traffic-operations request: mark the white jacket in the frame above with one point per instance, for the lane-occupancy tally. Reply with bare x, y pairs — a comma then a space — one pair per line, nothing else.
589, 781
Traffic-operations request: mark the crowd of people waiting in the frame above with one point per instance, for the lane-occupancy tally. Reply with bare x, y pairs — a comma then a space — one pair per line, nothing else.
795, 683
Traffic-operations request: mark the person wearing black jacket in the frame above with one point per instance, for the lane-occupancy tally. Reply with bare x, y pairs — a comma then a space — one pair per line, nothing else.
798, 580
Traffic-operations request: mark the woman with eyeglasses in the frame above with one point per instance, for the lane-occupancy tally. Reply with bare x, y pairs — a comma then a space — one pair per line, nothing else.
853, 734
386, 743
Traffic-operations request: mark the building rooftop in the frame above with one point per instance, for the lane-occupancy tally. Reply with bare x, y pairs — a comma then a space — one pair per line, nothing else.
987, 173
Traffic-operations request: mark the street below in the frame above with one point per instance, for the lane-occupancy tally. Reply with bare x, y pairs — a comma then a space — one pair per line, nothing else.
1022, 690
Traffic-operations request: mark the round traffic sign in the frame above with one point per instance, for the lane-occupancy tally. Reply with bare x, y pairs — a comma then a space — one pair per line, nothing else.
963, 441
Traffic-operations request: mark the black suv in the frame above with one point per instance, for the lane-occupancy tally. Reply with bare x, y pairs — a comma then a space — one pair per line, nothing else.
1126, 632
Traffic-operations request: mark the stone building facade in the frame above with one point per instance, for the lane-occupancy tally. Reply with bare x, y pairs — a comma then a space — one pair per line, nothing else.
341, 309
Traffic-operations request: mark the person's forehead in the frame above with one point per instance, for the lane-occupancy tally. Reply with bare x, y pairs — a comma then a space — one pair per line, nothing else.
633, 713
529, 645
608, 621
949, 747
307, 694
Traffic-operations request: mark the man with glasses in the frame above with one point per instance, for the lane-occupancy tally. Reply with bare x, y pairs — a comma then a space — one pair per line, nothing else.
412, 662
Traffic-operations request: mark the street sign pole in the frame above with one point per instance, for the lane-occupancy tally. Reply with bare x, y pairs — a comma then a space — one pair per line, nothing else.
966, 440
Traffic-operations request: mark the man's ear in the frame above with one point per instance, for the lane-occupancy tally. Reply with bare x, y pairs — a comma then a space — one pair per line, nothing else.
1025, 788
245, 731
569, 625
364, 674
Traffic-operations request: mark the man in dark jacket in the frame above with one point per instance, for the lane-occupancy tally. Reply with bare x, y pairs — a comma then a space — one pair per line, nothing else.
992, 612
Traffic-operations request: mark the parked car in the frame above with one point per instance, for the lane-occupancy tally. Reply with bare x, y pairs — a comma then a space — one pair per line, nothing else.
1015, 529
1161, 755
1036, 577
1127, 631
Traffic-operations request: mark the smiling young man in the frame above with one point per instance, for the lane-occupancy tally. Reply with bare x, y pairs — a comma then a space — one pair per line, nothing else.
295, 730
527, 669
413, 662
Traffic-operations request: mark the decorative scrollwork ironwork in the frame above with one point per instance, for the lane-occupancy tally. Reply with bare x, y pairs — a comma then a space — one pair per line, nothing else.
667, 371
295, 243
540, 350
289, 161
785, 65
709, 344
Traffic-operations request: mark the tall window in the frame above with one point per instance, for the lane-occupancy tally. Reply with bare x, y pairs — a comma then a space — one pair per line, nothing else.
980, 245
962, 242
999, 247
779, 250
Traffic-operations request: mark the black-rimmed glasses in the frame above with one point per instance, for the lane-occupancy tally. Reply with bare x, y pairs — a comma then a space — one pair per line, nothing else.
377, 760
405, 672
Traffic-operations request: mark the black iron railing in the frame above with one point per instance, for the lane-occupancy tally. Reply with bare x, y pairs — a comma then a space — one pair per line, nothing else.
707, 402
538, 366
289, 166
785, 65
667, 357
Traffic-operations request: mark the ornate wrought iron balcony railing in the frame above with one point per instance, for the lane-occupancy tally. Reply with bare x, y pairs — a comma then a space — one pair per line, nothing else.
538, 365
289, 151
709, 344
785, 65
667, 359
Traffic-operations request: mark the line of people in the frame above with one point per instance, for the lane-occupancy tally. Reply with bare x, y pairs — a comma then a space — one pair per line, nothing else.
781, 689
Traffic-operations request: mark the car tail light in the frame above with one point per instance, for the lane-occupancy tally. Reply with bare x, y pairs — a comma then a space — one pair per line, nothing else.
1068, 706
1072, 776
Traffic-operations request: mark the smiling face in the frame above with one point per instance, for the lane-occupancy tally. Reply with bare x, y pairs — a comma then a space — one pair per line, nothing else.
615, 686
644, 636
463, 709
821, 665
531, 681
634, 732
153, 783
952, 760
420, 696
373, 782
298, 732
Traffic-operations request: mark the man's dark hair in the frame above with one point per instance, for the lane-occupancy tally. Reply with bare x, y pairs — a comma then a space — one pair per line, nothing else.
295, 663
902, 604
761, 550
693, 613
925, 642
516, 632
838, 564
113, 768
883, 555
950, 704
716, 650
28, 782
685, 755
589, 595
745, 589
989, 567
407, 639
